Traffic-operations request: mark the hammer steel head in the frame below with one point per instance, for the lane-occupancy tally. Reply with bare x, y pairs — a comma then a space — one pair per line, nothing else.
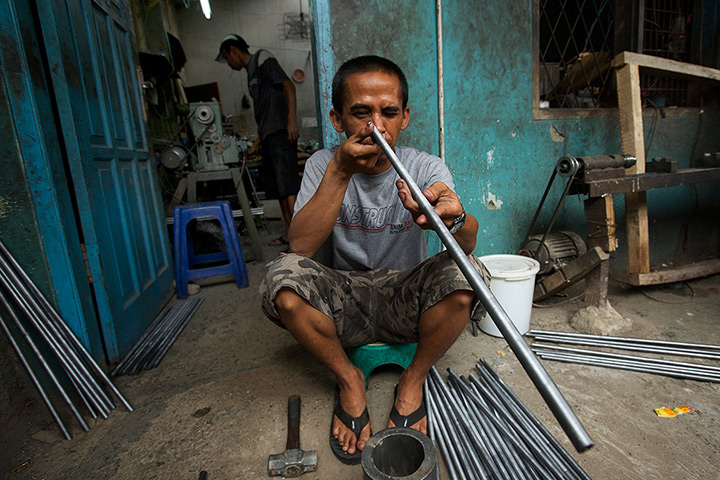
292, 463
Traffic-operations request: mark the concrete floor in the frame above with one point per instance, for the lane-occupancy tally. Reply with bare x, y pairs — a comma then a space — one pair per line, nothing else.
218, 400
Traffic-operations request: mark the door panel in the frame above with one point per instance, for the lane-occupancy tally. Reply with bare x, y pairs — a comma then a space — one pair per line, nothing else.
115, 183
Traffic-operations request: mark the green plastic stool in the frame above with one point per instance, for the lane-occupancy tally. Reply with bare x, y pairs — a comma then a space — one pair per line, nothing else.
368, 357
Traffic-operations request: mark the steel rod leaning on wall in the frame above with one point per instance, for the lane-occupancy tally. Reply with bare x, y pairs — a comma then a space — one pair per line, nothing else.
547, 388
74, 366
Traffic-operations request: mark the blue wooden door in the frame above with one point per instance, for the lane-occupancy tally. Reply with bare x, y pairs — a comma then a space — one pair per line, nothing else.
92, 63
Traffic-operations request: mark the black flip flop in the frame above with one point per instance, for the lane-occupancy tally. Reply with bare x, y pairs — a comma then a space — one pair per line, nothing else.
278, 242
407, 420
355, 424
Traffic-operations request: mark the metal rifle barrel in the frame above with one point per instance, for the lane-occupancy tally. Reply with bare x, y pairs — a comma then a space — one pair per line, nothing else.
547, 388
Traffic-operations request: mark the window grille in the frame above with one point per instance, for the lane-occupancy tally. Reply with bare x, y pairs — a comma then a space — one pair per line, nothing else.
667, 26
577, 40
575, 52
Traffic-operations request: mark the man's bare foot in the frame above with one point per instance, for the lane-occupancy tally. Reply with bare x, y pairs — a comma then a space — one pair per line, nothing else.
353, 401
408, 400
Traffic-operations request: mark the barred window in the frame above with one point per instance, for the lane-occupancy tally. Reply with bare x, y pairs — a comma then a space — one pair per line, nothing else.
575, 52
576, 41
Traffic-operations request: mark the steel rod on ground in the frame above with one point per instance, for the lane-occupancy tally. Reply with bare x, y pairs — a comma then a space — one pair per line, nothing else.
647, 341
695, 353
484, 431
711, 369
157, 339
547, 388
596, 361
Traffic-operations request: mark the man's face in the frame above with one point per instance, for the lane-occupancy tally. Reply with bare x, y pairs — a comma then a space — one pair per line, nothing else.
372, 97
233, 58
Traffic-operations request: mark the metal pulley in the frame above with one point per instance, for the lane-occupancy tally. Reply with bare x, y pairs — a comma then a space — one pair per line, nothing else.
174, 157
571, 168
204, 115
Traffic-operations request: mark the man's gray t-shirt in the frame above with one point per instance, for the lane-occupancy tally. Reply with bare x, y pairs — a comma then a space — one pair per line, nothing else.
373, 229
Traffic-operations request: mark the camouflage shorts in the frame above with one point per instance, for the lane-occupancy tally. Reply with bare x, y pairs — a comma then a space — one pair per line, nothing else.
373, 306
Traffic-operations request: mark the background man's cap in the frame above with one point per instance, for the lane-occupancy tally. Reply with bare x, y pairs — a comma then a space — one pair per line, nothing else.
227, 42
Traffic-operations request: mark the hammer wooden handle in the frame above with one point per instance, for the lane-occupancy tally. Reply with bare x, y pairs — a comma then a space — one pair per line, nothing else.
293, 434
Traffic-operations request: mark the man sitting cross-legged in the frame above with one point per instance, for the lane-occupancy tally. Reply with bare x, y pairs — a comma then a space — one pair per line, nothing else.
382, 287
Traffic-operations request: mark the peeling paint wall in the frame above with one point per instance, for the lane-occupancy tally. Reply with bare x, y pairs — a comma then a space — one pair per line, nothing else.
500, 155
18, 224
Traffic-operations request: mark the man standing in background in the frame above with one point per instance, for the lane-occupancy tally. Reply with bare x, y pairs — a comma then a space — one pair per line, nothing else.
274, 99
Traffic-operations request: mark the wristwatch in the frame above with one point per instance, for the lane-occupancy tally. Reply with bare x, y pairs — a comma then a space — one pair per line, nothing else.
458, 223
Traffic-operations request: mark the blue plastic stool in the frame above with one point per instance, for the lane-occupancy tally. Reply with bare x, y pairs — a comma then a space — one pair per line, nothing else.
185, 258
368, 357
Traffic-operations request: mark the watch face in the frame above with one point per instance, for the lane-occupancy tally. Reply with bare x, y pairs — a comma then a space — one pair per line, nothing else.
458, 223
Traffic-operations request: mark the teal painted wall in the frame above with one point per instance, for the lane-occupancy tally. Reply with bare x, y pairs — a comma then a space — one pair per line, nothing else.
18, 226
500, 155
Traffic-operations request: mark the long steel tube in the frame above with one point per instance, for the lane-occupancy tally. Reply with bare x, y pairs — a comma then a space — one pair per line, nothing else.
494, 447
136, 348
683, 352
509, 438
486, 370
61, 323
547, 388
34, 379
520, 468
182, 323
649, 341
43, 362
521, 439
587, 360
448, 447
76, 371
535, 442
710, 369
660, 369
73, 366
464, 435
466, 465
488, 459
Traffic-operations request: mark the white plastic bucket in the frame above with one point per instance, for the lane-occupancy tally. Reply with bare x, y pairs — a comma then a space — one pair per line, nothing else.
513, 284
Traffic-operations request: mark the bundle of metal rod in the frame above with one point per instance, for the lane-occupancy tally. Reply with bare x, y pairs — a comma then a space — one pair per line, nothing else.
540, 378
31, 323
157, 339
664, 347
657, 366
484, 431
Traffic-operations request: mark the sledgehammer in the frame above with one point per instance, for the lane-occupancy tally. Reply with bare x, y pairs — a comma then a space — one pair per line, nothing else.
293, 462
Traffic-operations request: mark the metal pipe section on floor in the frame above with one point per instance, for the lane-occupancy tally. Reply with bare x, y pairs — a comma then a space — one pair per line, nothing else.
484, 431
694, 350
154, 343
547, 388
